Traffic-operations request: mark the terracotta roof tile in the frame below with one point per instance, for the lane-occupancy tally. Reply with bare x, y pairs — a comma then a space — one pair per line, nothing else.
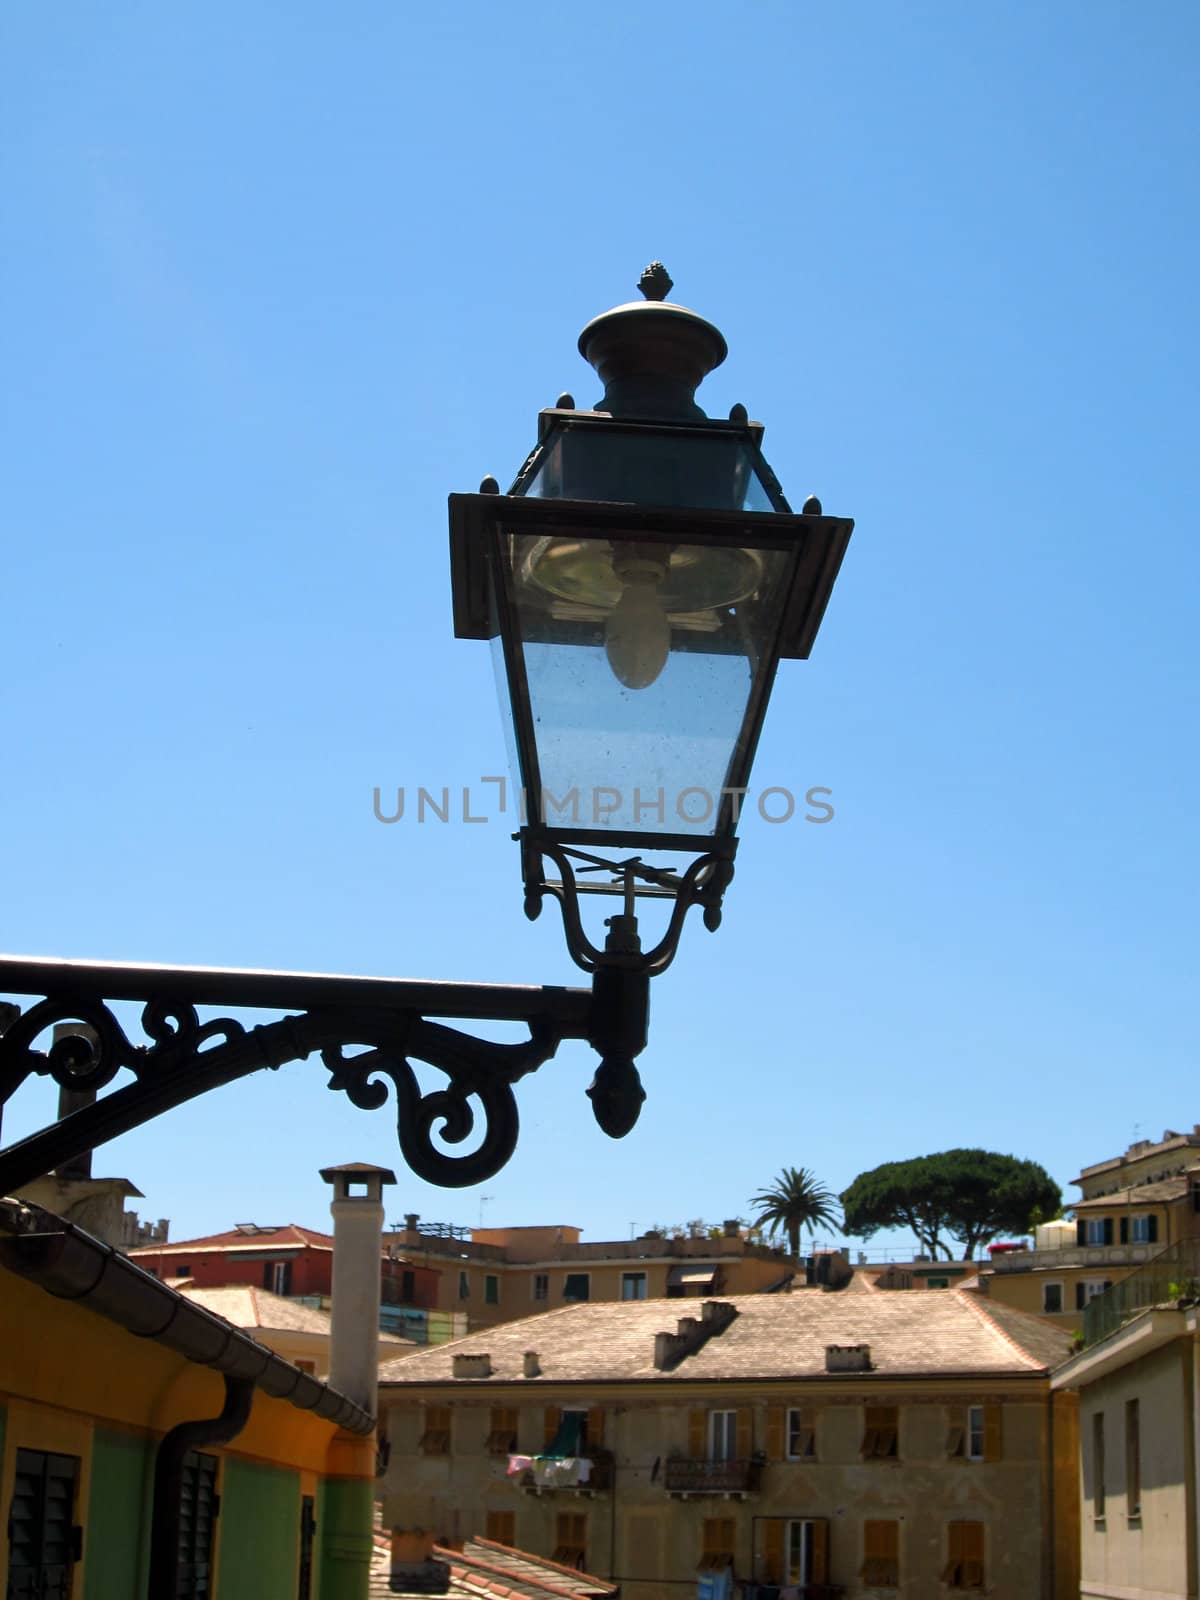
772, 1336
248, 1307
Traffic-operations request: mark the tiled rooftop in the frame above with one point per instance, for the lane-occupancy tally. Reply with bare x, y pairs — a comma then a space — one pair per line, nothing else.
485, 1570
288, 1235
772, 1336
249, 1308
1141, 1194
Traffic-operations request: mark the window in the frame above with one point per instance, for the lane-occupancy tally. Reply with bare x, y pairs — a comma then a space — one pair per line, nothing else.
464, 1284
1133, 1460
975, 1433
964, 1555
277, 1277
308, 1525
793, 1550
722, 1436
305, 1365
502, 1438
408, 1290
804, 1536
183, 1269
801, 1434
1098, 1485
577, 1286
501, 1527
435, 1441
975, 1450
1143, 1230
573, 1431
633, 1286
1052, 1298
937, 1283
881, 1555
1097, 1230
570, 1530
43, 1540
541, 1286
1086, 1289
719, 1543
197, 1515
880, 1437
491, 1289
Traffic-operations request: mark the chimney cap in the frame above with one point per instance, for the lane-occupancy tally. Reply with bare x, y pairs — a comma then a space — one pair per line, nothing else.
362, 1169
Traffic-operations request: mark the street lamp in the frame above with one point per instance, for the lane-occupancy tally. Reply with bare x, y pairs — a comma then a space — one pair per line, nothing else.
640, 582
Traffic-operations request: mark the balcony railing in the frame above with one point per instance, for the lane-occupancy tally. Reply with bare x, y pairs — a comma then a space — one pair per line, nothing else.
712, 1477
1171, 1277
1073, 1255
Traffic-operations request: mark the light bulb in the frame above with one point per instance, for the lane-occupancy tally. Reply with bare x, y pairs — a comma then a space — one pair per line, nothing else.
637, 635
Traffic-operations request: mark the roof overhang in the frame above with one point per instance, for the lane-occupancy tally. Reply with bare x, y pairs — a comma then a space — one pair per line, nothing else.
1141, 1337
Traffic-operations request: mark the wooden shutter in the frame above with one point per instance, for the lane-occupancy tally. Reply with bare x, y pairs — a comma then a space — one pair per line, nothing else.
993, 1433
1124, 1230
1081, 1231
776, 1416
502, 1527
772, 1534
553, 1421
956, 1431
697, 1430
745, 1433
1080, 1294
44, 1541
881, 1554
1108, 1230
820, 1550
1152, 1228
595, 1427
954, 1549
972, 1554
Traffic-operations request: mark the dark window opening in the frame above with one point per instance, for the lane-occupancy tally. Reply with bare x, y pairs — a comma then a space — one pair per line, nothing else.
197, 1520
44, 1541
308, 1524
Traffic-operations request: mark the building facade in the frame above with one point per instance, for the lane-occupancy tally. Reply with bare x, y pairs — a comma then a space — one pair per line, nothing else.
495, 1275
845, 1443
1132, 1207
130, 1418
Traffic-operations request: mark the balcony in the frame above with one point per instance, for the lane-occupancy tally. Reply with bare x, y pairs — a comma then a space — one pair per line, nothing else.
727, 1478
1074, 1255
1172, 1278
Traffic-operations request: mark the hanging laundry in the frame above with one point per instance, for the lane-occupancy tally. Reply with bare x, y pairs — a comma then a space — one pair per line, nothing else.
518, 1464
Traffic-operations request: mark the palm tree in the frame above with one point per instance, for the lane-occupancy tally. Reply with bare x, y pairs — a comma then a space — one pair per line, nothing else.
795, 1200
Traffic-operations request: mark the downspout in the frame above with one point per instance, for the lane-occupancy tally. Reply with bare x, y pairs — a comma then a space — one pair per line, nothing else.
168, 1480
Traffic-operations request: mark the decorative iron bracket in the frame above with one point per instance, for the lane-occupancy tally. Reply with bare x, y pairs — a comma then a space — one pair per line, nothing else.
366, 1030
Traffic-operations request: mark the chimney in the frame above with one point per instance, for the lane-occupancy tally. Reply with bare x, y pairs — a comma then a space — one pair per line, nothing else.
472, 1366
848, 1358
692, 1332
532, 1365
357, 1210
411, 1218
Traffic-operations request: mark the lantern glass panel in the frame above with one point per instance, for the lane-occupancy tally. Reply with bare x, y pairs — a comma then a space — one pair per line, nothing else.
652, 467
653, 758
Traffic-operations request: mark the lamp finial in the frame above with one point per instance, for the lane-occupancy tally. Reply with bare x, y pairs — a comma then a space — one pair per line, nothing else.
655, 283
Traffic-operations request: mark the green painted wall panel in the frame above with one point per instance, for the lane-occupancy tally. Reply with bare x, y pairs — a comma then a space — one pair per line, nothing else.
258, 1532
345, 1510
116, 1528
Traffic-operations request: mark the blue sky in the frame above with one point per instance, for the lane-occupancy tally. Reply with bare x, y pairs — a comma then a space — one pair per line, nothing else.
277, 282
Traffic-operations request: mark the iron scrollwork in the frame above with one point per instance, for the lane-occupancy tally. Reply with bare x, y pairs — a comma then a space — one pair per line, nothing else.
364, 1037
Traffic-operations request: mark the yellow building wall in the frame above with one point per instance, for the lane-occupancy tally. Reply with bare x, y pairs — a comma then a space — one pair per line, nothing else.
652, 1542
1154, 1554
